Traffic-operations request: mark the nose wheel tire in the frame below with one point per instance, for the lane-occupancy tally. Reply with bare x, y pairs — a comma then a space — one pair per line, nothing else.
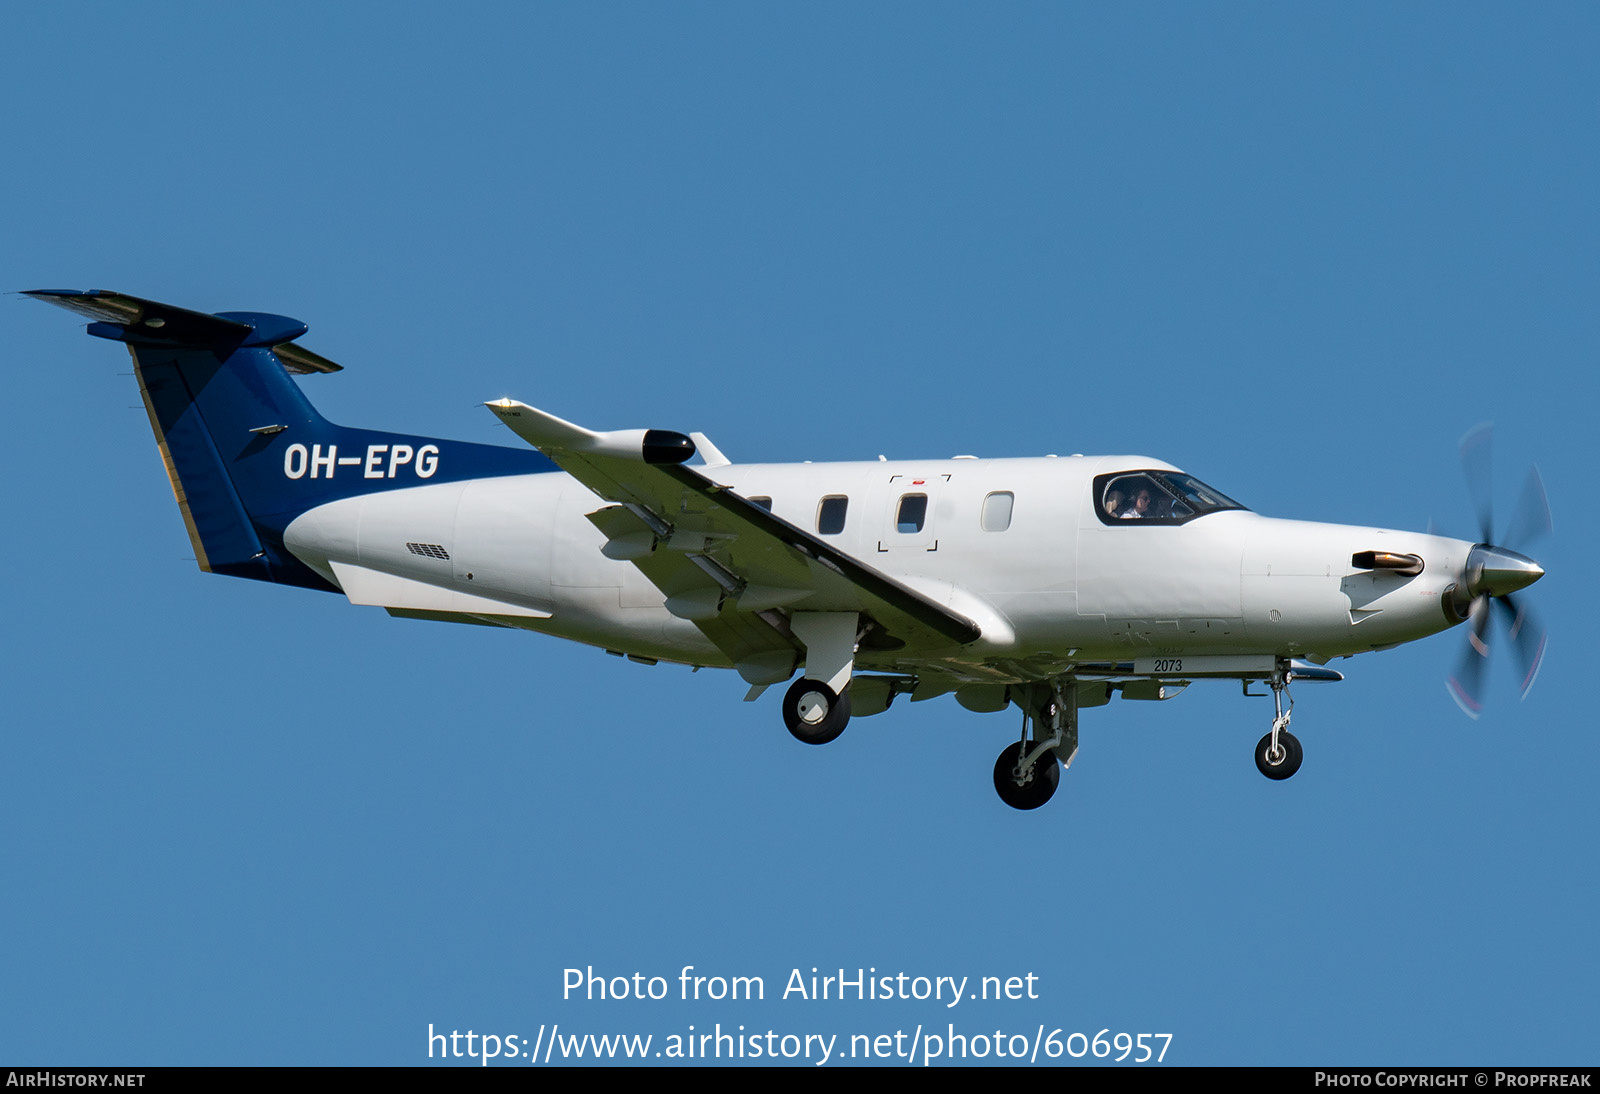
1283, 762
1040, 784
813, 713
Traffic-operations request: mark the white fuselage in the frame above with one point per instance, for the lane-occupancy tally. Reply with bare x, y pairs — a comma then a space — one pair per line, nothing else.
1051, 581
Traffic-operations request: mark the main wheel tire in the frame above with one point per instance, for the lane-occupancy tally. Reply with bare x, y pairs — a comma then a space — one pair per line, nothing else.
1285, 762
1041, 784
813, 713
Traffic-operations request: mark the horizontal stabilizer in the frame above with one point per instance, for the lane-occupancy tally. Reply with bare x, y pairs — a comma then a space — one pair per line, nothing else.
139, 321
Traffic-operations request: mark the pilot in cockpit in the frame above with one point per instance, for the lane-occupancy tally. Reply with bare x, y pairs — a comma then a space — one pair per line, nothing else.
1140, 506
1160, 497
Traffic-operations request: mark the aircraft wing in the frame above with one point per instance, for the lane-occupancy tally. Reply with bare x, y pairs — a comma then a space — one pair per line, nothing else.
722, 561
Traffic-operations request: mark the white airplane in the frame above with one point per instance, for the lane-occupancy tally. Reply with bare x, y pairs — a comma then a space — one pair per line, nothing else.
1049, 584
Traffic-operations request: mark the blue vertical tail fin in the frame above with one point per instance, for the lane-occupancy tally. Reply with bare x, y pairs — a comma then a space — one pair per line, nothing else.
244, 449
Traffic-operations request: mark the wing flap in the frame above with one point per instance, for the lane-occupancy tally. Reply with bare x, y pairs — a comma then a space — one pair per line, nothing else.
737, 632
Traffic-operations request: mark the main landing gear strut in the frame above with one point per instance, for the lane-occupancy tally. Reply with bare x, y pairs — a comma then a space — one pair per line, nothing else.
817, 706
1027, 772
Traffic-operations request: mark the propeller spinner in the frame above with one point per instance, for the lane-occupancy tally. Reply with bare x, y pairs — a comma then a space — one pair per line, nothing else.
1494, 573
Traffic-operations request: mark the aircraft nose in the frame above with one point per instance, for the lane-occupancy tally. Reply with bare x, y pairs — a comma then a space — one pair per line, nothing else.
1496, 571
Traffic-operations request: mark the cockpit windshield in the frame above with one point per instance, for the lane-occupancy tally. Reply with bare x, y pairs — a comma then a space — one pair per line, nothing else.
1158, 497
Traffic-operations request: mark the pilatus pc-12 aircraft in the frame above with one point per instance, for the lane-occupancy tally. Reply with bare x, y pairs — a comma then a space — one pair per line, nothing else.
1051, 584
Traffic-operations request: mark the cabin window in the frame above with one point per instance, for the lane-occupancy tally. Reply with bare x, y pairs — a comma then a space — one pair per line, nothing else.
913, 513
765, 503
997, 511
830, 514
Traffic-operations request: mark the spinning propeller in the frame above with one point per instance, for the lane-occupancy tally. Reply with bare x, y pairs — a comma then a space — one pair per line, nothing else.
1493, 573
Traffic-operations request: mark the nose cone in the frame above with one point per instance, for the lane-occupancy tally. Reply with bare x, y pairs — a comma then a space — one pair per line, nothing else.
1496, 571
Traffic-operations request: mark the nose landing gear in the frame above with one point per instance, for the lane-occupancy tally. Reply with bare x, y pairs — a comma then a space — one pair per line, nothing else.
1278, 754
1279, 761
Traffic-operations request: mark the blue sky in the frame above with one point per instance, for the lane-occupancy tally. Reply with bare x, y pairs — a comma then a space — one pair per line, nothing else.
1297, 250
